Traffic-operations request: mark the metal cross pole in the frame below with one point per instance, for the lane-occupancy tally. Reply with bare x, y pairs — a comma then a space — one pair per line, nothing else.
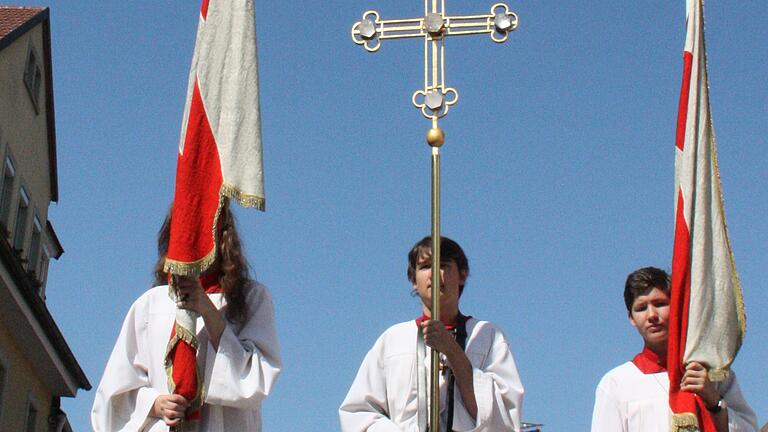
434, 101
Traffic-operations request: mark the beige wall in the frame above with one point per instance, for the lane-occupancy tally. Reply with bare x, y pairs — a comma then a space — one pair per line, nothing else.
22, 384
24, 131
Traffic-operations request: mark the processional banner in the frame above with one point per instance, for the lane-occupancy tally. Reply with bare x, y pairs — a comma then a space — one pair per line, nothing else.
707, 319
219, 157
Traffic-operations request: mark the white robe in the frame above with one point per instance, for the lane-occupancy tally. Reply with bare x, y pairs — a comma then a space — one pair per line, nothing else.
237, 377
384, 397
627, 400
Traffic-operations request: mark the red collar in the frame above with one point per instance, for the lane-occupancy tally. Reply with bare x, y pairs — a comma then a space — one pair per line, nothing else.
649, 362
210, 282
459, 319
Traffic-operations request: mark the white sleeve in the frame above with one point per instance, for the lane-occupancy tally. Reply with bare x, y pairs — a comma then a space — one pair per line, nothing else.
247, 364
365, 407
498, 392
124, 397
606, 416
741, 418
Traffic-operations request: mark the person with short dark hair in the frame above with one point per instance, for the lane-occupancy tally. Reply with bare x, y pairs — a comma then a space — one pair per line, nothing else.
634, 397
480, 389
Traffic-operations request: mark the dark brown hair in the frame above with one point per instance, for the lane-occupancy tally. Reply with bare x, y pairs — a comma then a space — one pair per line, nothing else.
230, 261
449, 251
642, 281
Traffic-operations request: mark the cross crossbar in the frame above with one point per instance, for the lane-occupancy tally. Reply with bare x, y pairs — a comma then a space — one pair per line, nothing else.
435, 98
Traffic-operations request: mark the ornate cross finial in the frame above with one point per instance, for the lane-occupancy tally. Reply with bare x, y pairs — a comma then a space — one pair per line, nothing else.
435, 99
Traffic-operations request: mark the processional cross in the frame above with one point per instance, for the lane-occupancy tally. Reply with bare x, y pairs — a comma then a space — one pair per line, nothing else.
434, 101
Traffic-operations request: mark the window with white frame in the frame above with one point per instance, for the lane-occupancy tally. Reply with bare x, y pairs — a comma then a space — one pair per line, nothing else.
34, 245
33, 78
31, 417
6, 190
22, 212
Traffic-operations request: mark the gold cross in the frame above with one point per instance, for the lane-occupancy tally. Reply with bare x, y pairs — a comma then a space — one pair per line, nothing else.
435, 98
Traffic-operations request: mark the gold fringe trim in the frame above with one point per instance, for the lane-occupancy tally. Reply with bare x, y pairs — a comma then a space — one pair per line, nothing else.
197, 402
196, 268
720, 374
736, 283
737, 291
684, 422
190, 269
185, 335
246, 200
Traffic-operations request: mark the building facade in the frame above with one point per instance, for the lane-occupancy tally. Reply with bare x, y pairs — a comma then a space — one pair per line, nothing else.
37, 366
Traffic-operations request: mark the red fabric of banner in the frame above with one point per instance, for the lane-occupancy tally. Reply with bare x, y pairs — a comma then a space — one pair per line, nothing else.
184, 359
198, 182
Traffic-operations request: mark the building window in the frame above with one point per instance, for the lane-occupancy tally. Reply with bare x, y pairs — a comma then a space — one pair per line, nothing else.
33, 78
6, 191
34, 245
42, 272
31, 417
21, 220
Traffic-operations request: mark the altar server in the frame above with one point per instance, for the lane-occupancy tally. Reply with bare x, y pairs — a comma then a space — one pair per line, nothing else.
634, 397
480, 389
237, 355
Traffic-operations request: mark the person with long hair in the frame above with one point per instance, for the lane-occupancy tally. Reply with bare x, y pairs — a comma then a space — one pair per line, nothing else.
237, 357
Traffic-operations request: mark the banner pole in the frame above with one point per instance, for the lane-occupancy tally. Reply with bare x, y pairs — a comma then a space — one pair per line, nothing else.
435, 138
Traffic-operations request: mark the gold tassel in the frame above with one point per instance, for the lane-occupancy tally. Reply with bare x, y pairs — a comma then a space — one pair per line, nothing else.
716, 375
684, 422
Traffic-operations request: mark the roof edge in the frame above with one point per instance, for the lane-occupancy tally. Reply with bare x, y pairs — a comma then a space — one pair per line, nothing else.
50, 112
43, 17
26, 285
11, 37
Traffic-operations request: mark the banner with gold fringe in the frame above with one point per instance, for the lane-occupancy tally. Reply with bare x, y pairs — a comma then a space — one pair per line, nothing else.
707, 319
220, 157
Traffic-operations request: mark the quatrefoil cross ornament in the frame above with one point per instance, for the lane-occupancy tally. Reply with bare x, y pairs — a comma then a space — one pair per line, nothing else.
435, 98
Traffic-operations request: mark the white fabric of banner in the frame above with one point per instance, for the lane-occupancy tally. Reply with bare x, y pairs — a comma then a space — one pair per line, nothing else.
225, 65
716, 314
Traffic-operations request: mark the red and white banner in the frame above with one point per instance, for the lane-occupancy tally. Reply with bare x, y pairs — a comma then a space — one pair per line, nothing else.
707, 320
220, 146
219, 156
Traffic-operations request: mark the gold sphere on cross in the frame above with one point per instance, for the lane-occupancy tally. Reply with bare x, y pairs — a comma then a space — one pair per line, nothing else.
435, 137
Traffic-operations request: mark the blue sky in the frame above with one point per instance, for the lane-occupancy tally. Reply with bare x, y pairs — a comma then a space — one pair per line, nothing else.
557, 180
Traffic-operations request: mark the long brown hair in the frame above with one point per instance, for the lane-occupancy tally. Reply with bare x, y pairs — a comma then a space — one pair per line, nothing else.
230, 260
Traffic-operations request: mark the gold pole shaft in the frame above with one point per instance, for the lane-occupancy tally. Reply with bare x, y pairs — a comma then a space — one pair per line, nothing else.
435, 394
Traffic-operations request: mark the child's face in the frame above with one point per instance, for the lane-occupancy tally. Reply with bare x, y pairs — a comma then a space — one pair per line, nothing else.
650, 316
450, 280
